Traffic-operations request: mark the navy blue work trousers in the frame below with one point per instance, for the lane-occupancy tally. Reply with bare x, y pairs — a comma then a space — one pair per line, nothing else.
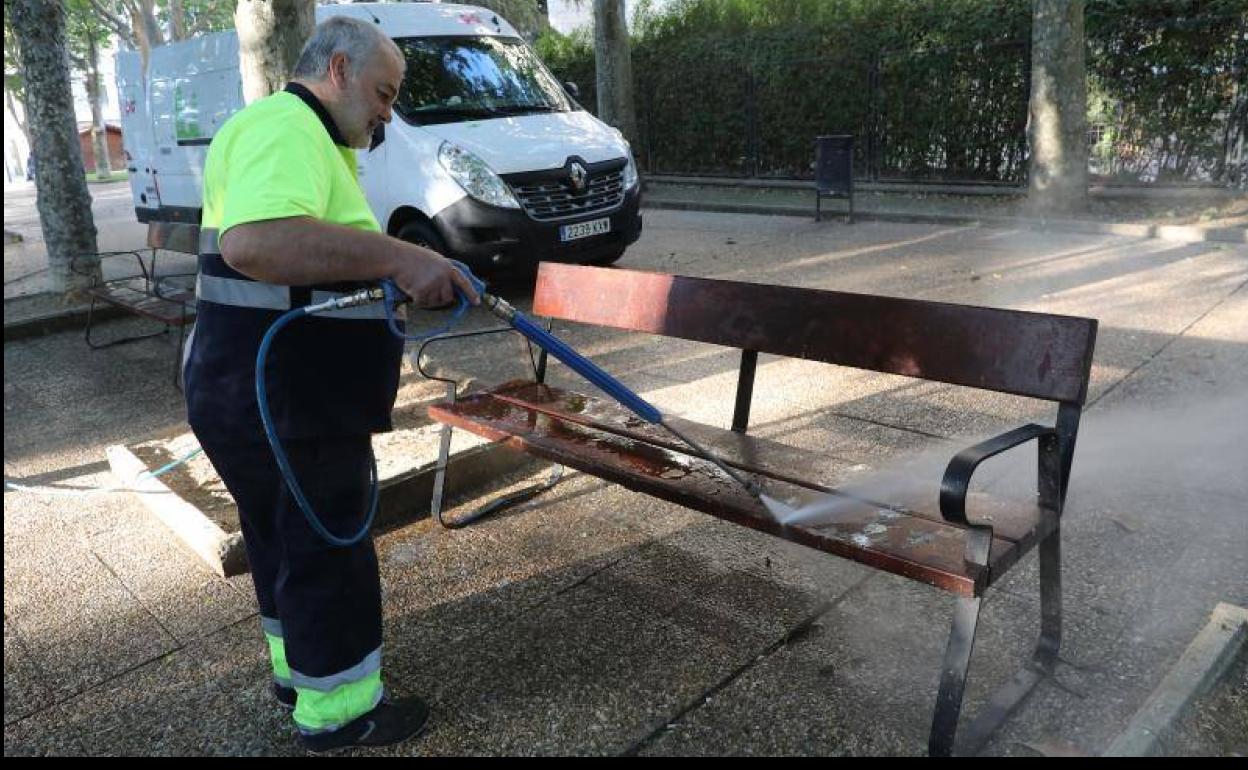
326, 597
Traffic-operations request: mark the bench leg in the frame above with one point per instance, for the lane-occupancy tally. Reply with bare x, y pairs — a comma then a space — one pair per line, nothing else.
90, 317
177, 360
953, 677
494, 506
121, 341
444, 457
1043, 660
1009, 697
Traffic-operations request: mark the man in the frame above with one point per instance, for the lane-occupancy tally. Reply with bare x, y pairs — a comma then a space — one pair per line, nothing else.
284, 219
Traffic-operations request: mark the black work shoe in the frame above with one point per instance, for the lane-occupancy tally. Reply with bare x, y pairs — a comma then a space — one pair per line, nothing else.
285, 696
389, 722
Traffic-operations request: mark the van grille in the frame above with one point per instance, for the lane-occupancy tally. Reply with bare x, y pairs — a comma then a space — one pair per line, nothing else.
554, 199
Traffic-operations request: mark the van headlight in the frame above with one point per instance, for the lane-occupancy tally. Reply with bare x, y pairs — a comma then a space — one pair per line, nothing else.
630, 172
477, 179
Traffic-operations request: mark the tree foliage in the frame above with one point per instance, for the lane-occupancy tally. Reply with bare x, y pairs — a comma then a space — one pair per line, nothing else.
524, 15
1168, 86
930, 88
144, 24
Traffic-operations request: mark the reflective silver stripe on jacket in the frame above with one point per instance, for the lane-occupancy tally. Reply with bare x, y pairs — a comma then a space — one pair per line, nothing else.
236, 293
268, 296
209, 240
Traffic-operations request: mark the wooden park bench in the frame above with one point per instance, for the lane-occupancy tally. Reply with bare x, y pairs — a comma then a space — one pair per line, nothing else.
935, 540
168, 299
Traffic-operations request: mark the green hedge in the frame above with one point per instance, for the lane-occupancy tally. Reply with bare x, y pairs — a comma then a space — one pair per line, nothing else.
930, 88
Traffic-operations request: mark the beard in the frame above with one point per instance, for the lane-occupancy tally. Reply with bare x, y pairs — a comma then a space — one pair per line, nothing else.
357, 123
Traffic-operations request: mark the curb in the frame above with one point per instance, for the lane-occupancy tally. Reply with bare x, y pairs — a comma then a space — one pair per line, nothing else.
1176, 233
1202, 663
403, 499
71, 319
994, 189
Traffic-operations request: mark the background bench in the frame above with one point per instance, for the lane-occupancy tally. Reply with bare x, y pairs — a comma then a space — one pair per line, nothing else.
168, 299
928, 538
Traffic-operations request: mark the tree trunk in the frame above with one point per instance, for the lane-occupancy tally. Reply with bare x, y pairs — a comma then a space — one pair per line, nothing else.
1057, 129
271, 33
60, 182
614, 62
99, 131
151, 27
147, 32
177, 21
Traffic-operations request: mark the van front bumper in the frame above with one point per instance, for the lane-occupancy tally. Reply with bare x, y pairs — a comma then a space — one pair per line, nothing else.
487, 237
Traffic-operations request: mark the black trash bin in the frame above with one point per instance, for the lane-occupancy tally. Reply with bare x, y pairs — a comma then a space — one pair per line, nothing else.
834, 170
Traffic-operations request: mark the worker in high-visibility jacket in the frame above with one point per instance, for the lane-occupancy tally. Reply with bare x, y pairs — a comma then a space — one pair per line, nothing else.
285, 223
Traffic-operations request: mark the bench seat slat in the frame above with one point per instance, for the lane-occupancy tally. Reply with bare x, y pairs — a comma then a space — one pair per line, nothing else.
902, 543
750, 453
1011, 520
171, 310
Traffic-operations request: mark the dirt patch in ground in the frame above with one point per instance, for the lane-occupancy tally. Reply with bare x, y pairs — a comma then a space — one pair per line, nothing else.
1216, 724
412, 443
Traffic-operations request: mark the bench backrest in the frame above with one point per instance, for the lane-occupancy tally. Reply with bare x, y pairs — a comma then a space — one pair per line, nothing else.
1011, 351
173, 236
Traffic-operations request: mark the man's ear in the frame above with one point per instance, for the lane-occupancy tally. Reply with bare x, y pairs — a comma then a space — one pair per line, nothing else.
339, 69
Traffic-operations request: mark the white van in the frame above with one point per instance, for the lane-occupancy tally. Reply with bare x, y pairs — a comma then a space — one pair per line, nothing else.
489, 159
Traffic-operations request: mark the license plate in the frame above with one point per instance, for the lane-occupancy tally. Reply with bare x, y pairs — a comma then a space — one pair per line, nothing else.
584, 229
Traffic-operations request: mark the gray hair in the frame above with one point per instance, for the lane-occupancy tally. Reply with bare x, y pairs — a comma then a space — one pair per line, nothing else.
356, 38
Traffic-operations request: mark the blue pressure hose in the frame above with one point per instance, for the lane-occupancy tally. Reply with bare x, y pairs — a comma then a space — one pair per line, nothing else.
279, 454
390, 295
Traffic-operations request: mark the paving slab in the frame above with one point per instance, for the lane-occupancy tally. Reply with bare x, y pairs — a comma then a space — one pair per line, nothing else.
24, 690
189, 601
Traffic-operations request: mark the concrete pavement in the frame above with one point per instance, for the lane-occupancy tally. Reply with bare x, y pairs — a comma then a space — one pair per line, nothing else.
593, 620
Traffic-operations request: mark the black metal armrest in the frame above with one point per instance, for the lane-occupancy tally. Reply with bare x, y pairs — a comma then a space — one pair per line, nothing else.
420, 352
76, 267
957, 479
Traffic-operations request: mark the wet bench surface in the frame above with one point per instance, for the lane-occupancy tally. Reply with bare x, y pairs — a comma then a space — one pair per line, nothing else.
906, 537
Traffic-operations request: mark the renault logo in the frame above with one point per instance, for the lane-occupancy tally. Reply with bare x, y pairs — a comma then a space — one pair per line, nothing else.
577, 173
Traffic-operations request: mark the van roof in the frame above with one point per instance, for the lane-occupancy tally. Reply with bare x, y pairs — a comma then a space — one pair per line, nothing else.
424, 19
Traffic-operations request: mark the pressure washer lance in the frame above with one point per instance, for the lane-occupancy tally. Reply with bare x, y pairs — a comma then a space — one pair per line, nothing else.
389, 294
616, 389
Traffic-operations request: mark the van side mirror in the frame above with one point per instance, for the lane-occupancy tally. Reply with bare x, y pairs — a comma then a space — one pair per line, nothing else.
379, 136
571, 88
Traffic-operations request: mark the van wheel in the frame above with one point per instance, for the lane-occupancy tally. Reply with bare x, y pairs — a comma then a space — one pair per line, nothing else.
422, 234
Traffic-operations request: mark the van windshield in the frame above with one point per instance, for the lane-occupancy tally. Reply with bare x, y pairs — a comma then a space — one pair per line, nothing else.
465, 78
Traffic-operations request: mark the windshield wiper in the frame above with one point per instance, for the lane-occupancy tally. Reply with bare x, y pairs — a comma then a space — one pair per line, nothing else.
524, 109
466, 112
